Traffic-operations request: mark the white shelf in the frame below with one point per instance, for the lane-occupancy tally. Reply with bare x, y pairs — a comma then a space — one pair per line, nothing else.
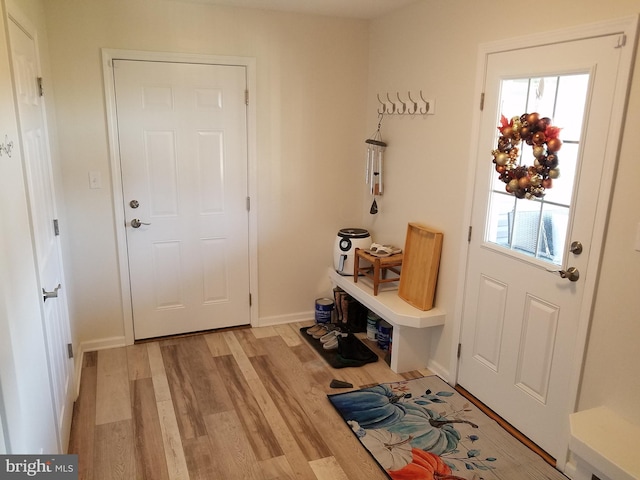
388, 304
604, 441
411, 332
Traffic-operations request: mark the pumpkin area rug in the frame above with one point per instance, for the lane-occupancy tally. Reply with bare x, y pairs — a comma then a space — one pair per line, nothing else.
423, 429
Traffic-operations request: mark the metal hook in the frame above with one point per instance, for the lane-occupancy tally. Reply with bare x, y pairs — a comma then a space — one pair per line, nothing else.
384, 105
393, 105
404, 105
426, 110
415, 105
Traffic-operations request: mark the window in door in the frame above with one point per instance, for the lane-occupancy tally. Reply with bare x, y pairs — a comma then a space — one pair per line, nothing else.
537, 227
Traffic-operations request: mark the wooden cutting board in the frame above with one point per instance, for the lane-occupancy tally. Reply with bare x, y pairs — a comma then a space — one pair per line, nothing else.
420, 266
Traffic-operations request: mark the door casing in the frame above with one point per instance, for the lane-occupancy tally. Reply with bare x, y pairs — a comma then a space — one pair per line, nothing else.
108, 55
627, 26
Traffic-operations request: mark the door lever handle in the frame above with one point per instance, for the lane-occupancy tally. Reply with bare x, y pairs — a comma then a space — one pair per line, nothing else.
52, 294
136, 223
572, 274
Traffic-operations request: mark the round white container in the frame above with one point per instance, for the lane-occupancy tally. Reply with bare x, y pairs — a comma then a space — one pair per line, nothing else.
347, 240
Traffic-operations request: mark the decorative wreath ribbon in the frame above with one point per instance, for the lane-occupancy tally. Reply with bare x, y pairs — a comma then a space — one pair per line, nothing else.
521, 180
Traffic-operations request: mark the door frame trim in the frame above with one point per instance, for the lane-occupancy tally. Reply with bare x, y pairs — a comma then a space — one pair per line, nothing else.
629, 27
108, 55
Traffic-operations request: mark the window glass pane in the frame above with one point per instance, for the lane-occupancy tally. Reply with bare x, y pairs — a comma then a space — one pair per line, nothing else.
513, 97
538, 226
498, 229
569, 112
555, 220
525, 223
563, 185
542, 96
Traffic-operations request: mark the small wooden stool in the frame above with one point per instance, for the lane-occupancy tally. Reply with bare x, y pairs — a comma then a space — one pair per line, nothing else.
377, 271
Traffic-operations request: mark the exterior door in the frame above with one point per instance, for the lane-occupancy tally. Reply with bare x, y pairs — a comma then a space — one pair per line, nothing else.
182, 131
521, 317
43, 213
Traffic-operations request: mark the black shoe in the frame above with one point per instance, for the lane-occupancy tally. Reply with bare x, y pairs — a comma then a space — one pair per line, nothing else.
350, 348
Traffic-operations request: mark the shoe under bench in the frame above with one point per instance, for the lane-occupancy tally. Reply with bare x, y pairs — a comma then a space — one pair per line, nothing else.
411, 326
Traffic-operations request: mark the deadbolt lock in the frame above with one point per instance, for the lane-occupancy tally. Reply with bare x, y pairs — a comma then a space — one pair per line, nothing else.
576, 248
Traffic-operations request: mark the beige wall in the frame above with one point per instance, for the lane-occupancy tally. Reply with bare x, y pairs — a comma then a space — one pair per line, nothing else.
433, 46
311, 78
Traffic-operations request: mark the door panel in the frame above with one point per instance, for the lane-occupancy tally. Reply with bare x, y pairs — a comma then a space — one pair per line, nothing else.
43, 212
183, 148
160, 154
540, 321
490, 322
520, 318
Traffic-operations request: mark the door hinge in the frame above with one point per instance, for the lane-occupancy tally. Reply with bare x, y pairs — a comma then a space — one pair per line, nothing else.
248, 204
246, 97
250, 300
40, 87
482, 101
469, 234
459, 350
56, 227
622, 41
70, 350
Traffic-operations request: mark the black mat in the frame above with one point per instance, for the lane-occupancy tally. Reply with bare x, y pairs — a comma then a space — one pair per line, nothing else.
335, 359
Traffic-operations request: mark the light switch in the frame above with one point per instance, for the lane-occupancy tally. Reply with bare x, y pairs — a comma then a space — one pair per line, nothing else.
638, 238
95, 180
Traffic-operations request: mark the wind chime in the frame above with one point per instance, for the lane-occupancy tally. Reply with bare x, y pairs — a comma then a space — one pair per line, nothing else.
373, 168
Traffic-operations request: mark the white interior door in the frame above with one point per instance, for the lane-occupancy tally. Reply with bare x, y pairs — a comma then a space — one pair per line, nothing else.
521, 318
43, 212
182, 131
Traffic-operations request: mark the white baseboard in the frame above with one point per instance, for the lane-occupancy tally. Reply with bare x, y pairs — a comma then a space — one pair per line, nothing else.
288, 318
571, 471
439, 370
102, 343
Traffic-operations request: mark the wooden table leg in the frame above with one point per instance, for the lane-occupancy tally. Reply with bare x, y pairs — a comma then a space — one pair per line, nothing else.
376, 276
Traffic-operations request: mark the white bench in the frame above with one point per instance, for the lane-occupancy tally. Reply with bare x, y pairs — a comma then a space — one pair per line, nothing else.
603, 444
411, 335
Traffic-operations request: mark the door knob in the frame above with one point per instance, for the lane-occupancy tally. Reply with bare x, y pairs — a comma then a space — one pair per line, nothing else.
52, 294
136, 223
572, 274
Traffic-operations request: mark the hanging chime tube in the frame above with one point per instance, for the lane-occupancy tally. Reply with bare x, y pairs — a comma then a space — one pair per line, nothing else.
374, 165
381, 149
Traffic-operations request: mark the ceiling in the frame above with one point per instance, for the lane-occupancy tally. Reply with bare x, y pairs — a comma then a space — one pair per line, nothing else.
365, 9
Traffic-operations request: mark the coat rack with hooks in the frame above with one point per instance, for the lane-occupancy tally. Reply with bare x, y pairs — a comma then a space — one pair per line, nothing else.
397, 106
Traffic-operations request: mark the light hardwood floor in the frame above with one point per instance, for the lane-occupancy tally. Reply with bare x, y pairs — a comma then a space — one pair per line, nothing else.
238, 404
